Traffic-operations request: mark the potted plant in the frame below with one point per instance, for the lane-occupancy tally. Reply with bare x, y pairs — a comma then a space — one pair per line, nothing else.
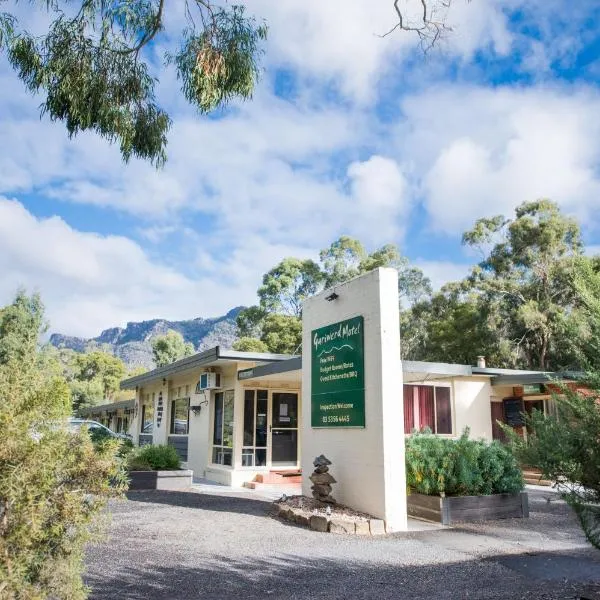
157, 468
452, 480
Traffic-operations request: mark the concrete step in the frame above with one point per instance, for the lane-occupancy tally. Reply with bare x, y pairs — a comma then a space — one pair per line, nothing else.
281, 477
290, 489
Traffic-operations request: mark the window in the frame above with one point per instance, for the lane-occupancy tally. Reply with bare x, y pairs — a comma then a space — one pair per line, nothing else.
427, 406
180, 416
254, 451
223, 429
147, 421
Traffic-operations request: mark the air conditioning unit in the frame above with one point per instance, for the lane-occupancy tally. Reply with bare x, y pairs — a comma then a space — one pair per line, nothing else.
209, 381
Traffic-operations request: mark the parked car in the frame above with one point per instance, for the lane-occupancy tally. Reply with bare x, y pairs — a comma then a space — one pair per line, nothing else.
95, 429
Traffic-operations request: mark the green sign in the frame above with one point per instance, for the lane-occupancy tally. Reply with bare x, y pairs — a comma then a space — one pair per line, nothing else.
337, 375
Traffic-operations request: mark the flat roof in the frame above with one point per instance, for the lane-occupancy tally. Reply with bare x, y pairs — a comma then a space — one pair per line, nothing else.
415, 370
207, 357
408, 366
88, 410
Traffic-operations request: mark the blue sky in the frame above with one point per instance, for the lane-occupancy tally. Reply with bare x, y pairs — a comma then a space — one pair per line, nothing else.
348, 133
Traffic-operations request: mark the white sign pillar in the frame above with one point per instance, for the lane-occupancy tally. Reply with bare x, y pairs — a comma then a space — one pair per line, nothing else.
368, 463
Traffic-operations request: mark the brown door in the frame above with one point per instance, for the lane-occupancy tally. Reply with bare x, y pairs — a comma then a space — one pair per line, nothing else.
497, 415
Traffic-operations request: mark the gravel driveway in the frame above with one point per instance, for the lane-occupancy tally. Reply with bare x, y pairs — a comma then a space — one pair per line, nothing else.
184, 545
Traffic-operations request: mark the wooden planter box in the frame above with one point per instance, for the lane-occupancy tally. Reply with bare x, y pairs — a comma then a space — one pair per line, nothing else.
160, 480
454, 509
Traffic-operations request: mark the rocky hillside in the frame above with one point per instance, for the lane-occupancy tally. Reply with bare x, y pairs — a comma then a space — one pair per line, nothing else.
132, 343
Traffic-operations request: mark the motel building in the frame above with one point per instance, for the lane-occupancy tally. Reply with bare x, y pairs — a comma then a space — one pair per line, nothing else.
233, 416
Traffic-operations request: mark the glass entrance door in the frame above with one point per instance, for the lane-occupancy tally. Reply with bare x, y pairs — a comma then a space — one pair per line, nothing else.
284, 429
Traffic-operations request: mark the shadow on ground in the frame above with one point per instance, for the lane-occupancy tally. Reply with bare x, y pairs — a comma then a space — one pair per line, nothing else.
220, 503
299, 578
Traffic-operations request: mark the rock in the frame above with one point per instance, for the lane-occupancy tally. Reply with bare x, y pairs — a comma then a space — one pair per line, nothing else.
303, 520
322, 478
362, 528
376, 527
322, 490
341, 526
319, 523
321, 461
287, 514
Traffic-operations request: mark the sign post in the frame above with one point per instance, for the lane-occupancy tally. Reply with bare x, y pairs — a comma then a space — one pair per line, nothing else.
352, 384
338, 378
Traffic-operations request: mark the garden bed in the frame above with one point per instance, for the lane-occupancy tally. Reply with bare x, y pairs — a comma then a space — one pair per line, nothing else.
160, 480
455, 509
311, 513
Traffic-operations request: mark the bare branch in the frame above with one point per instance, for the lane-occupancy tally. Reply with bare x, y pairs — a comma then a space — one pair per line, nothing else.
429, 27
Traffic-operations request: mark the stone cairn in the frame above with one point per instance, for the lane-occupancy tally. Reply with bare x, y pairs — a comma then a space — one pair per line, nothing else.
322, 480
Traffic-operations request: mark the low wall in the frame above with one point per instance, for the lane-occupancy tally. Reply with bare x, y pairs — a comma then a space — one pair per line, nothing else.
468, 508
160, 480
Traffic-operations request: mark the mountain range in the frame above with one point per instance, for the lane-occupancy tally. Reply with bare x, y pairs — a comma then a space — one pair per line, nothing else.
132, 343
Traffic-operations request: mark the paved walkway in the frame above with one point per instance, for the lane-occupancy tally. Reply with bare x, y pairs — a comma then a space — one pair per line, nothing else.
220, 544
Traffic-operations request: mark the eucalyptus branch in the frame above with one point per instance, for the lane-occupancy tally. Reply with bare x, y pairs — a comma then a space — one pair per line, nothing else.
428, 29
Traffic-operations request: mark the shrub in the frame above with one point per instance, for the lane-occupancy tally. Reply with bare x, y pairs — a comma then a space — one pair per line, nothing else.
154, 458
565, 448
461, 467
53, 484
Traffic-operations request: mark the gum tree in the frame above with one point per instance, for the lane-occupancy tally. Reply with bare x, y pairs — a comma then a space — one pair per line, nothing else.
93, 67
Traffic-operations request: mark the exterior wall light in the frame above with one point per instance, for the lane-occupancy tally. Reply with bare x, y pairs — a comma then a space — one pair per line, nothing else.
198, 407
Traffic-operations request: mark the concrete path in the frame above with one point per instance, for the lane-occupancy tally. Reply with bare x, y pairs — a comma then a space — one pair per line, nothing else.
210, 545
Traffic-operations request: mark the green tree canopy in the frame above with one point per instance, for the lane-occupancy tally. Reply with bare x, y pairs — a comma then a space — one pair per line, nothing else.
250, 344
102, 368
93, 74
288, 284
526, 274
170, 347
285, 287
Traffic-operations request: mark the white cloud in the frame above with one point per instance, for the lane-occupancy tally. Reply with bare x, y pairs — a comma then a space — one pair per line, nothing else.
482, 151
90, 281
281, 177
442, 271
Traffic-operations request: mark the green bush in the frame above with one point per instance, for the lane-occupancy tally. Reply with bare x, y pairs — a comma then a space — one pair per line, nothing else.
154, 458
54, 484
461, 467
564, 446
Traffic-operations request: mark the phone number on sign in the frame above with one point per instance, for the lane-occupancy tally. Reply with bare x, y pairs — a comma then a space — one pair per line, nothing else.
336, 419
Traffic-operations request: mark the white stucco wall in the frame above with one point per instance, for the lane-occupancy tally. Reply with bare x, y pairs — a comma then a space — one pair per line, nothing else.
472, 398
368, 463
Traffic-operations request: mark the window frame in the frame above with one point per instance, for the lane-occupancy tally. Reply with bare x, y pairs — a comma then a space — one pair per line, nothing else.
172, 416
250, 450
224, 395
416, 409
146, 404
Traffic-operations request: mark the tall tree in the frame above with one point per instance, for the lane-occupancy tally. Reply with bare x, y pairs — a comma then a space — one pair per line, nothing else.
170, 347
93, 74
96, 378
583, 326
347, 258
526, 273
288, 284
